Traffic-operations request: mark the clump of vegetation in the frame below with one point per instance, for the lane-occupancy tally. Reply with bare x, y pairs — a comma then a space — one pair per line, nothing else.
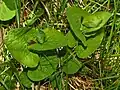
59, 44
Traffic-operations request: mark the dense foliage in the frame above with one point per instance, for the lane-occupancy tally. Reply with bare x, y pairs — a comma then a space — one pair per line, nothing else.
50, 43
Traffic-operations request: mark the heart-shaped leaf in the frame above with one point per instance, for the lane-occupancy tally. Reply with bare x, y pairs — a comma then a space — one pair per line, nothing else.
17, 43
74, 16
72, 66
95, 21
7, 10
46, 67
54, 39
92, 44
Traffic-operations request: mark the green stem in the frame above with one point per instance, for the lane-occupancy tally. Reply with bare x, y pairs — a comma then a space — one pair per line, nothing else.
4, 85
16, 74
101, 5
105, 78
108, 4
113, 25
47, 11
36, 3
18, 8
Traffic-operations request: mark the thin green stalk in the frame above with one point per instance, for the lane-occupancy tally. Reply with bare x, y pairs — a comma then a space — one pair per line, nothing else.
18, 8
71, 54
106, 78
23, 9
109, 87
62, 79
63, 4
100, 74
113, 25
47, 11
101, 5
91, 8
16, 74
108, 4
60, 69
87, 6
66, 82
6, 69
36, 3
4, 85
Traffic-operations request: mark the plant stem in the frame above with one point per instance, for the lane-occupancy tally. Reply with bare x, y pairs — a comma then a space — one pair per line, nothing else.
113, 25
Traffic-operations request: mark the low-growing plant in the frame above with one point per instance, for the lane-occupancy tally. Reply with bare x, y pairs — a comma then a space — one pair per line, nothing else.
46, 53
38, 50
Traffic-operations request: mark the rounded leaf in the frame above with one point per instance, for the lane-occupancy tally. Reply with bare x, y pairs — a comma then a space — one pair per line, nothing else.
6, 10
53, 40
25, 80
17, 43
95, 21
72, 66
74, 16
46, 67
92, 44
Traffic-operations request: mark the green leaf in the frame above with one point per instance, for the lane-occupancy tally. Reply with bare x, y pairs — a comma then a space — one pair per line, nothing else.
17, 43
46, 67
25, 80
91, 21
2, 88
41, 37
56, 81
70, 40
74, 16
72, 66
79, 50
7, 10
95, 21
18, 10
92, 44
54, 39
